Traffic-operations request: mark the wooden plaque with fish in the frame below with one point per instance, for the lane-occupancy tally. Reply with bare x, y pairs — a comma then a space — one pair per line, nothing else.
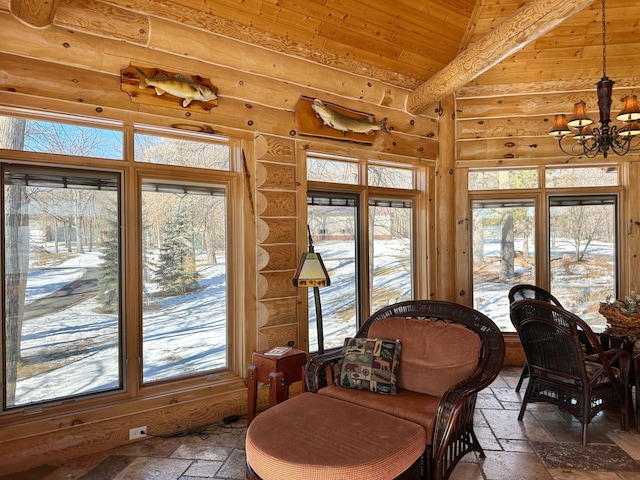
153, 86
318, 118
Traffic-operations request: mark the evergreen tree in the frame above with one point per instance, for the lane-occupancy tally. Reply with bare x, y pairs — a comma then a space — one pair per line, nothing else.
176, 268
108, 280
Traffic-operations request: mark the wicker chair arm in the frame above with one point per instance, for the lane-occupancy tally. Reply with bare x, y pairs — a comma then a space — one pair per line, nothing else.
320, 371
456, 409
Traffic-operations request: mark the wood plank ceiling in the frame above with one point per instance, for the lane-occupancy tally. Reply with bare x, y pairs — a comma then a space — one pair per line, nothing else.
406, 42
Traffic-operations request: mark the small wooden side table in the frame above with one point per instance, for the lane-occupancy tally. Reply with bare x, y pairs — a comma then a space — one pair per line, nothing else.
278, 372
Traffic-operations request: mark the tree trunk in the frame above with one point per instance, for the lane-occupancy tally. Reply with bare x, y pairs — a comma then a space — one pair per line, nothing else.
478, 240
507, 250
16, 257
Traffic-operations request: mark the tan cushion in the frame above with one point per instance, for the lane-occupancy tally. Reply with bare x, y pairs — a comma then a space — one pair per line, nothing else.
435, 355
412, 406
314, 437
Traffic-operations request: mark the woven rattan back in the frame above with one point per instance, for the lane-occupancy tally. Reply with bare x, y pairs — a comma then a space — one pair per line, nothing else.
525, 291
550, 337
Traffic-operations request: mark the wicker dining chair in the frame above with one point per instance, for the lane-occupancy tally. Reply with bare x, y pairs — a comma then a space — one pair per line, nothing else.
561, 372
524, 291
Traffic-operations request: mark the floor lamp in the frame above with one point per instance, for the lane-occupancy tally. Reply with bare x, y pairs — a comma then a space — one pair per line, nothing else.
312, 273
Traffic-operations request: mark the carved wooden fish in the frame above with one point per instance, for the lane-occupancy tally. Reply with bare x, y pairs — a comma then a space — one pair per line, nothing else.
344, 123
181, 86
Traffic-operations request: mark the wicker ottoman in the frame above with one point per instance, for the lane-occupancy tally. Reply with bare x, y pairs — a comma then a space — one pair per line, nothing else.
311, 437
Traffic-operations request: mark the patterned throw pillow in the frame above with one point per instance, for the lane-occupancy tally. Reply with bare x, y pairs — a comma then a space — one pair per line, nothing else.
370, 364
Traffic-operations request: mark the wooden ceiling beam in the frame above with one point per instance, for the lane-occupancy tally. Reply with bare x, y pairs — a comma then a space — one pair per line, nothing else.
35, 13
528, 23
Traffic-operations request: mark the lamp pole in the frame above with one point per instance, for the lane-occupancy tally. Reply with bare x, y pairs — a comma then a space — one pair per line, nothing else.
316, 297
319, 328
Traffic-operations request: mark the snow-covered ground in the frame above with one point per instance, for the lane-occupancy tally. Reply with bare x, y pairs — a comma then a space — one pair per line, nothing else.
76, 350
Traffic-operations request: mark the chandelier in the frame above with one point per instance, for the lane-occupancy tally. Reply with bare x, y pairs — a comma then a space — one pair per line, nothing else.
590, 141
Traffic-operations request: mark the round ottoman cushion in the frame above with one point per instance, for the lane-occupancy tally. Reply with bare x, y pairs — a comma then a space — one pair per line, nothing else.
312, 437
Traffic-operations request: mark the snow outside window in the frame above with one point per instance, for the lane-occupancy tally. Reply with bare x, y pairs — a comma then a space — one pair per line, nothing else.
184, 254
61, 284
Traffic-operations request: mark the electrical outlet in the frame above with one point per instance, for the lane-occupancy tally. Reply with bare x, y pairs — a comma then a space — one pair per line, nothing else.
138, 432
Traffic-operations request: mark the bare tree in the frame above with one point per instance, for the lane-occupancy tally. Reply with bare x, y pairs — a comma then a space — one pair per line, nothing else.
507, 249
583, 224
12, 134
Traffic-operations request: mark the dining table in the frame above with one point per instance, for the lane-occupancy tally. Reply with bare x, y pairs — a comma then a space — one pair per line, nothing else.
615, 337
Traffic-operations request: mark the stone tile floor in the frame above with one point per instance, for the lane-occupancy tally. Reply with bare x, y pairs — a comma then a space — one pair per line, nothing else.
545, 445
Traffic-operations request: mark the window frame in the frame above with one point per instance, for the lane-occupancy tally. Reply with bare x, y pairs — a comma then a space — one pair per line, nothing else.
135, 395
541, 196
363, 192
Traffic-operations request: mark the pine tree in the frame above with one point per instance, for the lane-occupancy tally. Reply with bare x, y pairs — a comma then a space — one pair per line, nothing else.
108, 280
176, 268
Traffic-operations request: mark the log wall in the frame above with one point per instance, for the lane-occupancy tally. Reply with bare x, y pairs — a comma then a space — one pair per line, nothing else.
73, 65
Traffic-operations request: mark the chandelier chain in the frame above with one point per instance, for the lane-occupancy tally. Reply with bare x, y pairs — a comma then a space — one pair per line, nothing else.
604, 42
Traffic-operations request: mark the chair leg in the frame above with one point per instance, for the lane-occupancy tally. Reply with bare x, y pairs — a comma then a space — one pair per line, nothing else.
522, 409
523, 375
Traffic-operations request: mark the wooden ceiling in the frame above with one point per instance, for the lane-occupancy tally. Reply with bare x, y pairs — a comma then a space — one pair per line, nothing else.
404, 42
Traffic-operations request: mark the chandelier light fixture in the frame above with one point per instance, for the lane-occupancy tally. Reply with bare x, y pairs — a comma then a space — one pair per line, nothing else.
589, 141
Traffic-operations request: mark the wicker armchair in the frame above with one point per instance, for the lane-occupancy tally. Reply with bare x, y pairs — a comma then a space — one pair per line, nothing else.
525, 291
450, 435
561, 371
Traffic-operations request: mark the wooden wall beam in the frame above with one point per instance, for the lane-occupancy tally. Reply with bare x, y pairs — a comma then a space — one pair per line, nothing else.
102, 19
537, 88
76, 85
541, 104
531, 21
34, 12
528, 149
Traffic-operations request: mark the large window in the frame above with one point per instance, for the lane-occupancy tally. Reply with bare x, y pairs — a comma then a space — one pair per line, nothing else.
115, 269
184, 319
561, 236
390, 253
333, 222
61, 269
582, 252
503, 254
365, 238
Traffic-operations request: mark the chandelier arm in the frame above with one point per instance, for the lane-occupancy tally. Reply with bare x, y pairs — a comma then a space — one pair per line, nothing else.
588, 151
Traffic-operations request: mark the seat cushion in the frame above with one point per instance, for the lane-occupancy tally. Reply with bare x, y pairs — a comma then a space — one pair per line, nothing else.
412, 406
435, 355
314, 437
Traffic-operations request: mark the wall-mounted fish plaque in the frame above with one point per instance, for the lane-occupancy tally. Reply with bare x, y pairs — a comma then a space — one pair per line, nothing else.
318, 118
153, 86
